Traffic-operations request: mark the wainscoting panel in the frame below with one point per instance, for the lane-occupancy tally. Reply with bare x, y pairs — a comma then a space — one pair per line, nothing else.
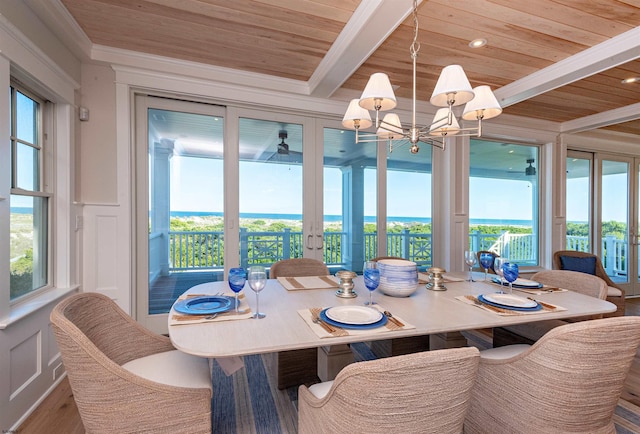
25, 362
107, 253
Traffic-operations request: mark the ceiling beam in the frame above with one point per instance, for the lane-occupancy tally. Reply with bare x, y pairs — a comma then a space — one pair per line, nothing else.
606, 55
369, 26
604, 119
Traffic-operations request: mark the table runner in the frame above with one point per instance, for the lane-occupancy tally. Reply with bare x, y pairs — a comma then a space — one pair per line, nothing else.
308, 282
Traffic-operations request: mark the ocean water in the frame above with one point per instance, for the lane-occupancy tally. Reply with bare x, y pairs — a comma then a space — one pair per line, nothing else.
331, 218
337, 218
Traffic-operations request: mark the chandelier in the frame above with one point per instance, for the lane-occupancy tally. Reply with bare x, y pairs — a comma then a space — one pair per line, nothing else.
452, 89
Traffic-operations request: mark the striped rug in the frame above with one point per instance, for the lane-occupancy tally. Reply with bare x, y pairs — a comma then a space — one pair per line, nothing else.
249, 401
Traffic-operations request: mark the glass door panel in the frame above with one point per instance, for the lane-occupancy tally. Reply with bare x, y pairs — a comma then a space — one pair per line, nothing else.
180, 197
270, 191
614, 227
349, 205
578, 201
409, 205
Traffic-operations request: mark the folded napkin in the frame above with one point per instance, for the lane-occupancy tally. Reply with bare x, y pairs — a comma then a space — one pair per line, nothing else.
308, 282
424, 278
473, 300
309, 314
243, 308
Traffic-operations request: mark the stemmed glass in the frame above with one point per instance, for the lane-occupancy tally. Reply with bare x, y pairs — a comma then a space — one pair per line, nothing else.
237, 279
510, 271
486, 260
371, 279
257, 278
497, 266
471, 259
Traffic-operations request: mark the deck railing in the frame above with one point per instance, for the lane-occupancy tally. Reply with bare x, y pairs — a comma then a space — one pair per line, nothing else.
205, 250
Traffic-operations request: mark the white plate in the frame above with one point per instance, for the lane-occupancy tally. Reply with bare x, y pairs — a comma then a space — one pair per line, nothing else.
357, 315
510, 300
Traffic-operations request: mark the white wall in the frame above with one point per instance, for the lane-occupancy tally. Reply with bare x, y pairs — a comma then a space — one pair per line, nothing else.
30, 363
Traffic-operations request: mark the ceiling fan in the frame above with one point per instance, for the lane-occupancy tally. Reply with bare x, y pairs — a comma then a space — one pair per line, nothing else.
528, 171
283, 153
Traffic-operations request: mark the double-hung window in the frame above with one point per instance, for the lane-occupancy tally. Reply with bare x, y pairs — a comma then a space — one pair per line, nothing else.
29, 201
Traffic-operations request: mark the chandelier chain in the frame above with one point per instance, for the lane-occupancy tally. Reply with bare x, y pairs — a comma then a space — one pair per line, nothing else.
415, 45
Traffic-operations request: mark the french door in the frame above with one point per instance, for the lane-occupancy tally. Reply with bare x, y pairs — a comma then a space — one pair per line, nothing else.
603, 200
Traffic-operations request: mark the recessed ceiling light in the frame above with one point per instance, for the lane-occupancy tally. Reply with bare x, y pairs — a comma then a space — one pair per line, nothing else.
477, 43
511, 151
631, 80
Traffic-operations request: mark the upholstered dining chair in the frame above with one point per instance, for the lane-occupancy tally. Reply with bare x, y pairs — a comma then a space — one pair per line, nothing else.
494, 255
568, 381
528, 333
297, 366
591, 264
124, 378
425, 392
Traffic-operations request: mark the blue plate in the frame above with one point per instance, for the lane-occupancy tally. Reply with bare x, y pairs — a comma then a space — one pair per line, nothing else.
532, 285
205, 305
325, 318
538, 306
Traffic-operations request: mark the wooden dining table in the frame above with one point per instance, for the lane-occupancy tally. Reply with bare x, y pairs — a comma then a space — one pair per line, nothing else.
428, 312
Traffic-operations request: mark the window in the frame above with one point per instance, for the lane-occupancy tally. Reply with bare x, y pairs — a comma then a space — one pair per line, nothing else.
29, 203
503, 200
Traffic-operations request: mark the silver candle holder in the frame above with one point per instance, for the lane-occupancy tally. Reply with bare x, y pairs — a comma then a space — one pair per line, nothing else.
436, 279
346, 284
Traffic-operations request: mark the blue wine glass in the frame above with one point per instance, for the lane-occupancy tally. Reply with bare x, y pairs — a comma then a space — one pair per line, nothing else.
510, 271
486, 260
371, 279
237, 279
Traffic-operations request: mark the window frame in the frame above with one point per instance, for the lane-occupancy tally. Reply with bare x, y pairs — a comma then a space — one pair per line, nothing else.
42, 189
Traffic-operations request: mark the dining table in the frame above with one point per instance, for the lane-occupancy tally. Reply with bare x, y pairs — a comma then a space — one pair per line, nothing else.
288, 323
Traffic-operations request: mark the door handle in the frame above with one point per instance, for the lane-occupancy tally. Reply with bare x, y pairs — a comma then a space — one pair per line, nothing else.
310, 241
319, 241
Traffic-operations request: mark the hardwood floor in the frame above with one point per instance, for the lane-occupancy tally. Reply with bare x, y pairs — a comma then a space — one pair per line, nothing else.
58, 413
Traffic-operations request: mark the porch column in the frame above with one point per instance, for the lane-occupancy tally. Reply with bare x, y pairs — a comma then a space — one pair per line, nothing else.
353, 217
161, 201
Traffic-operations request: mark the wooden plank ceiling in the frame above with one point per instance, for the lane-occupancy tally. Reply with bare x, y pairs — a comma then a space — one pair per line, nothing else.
535, 58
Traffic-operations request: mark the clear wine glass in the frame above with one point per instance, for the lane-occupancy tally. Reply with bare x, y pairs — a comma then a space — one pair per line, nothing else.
470, 258
510, 271
371, 279
257, 278
237, 279
498, 263
486, 260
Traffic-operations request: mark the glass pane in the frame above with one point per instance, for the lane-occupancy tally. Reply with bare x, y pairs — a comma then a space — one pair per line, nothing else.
409, 204
349, 177
578, 202
27, 172
186, 243
503, 200
26, 119
615, 193
28, 248
270, 192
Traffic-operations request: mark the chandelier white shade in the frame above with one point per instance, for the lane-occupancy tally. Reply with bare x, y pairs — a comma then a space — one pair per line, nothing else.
452, 89
442, 125
378, 94
356, 117
483, 106
392, 129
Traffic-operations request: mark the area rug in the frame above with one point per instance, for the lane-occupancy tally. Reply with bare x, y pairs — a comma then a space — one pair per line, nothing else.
249, 401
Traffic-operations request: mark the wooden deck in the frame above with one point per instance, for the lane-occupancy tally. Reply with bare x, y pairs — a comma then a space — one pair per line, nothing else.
166, 289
